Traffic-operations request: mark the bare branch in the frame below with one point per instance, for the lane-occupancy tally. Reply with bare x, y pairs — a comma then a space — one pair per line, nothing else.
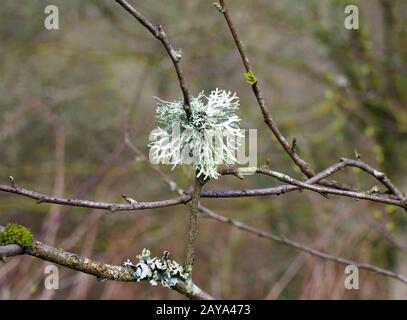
10, 250
320, 189
297, 186
301, 247
160, 34
290, 150
315, 179
95, 205
375, 173
309, 184
305, 168
292, 185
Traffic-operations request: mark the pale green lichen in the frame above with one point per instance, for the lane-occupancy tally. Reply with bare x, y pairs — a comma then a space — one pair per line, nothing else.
155, 270
373, 190
16, 234
279, 175
206, 139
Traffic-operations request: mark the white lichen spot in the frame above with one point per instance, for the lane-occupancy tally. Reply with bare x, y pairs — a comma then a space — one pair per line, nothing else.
208, 138
155, 270
378, 174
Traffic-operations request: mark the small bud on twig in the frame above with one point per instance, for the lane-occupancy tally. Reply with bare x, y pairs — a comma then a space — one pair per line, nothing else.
129, 200
219, 7
251, 79
375, 189
12, 181
294, 145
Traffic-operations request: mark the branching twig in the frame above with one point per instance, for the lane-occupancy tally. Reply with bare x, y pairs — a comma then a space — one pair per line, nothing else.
310, 184
315, 179
292, 185
301, 247
321, 189
175, 56
287, 188
290, 150
375, 173
315, 182
305, 168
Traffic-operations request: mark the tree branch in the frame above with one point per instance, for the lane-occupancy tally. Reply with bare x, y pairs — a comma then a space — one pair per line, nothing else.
193, 227
301, 247
380, 176
290, 150
320, 189
92, 204
304, 167
310, 184
278, 190
159, 33
292, 185
10, 250
102, 271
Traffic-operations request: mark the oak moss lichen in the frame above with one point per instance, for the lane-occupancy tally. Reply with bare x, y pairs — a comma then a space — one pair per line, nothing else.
167, 272
16, 234
209, 137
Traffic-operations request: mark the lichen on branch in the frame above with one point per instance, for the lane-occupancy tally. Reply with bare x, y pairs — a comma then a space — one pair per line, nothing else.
155, 269
209, 137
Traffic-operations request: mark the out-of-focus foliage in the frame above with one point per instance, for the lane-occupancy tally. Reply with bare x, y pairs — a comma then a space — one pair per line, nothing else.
66, 95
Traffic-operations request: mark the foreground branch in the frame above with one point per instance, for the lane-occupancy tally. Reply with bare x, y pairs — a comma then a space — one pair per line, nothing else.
396, 197
102, 271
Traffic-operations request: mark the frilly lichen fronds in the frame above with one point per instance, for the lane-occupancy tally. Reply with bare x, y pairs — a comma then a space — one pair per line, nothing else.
209, 137
155, 269
16, 234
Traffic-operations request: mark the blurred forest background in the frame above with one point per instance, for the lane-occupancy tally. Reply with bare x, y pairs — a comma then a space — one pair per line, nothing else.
66, 97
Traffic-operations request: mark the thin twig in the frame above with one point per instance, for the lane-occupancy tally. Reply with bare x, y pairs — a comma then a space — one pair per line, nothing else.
290, 150
321, 189
310, 185
159, 33
93, 204
292, 185
315, 179
375, 173
304, 167
301, 247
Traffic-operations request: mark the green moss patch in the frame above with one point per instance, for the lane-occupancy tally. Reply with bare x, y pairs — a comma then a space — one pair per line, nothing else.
16, 234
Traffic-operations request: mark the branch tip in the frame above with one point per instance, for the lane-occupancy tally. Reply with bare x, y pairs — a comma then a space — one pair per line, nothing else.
219, 7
